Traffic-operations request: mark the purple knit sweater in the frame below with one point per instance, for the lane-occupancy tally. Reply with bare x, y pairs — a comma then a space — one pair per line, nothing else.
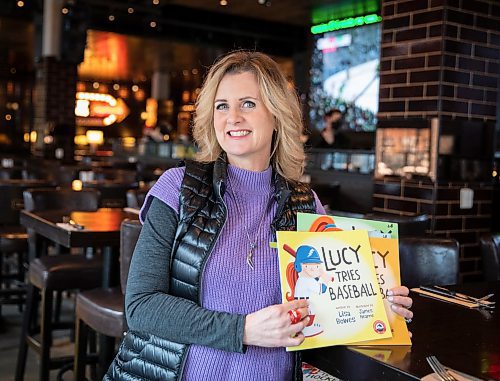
229, 284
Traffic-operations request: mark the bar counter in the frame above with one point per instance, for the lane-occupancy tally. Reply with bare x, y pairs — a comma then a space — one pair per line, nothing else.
463, 339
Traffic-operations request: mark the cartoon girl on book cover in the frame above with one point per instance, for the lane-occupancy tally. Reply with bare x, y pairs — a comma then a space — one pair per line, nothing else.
307, 276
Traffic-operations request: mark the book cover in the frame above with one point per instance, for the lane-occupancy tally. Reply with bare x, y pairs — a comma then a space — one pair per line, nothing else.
336, 272
384, 244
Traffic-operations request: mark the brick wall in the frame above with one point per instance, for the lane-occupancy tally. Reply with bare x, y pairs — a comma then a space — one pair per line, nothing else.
440, 58
442, 203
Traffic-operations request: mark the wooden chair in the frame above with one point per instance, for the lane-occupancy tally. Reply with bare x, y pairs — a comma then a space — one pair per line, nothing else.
490, 253
428, 261
102, 309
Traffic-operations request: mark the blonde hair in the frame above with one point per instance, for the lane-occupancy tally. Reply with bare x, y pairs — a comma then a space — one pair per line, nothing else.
287, 153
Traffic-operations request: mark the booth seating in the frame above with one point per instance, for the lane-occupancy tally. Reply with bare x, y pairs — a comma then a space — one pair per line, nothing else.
113, 193
102, 309
11, 173
490, 253
327, 193
136, 197
51, 274
62, 175
407, 225
428, 261
343, 213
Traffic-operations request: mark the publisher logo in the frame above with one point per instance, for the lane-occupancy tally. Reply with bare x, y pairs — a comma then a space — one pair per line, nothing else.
379, 327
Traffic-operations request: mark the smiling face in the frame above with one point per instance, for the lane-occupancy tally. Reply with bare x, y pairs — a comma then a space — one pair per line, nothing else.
243, 125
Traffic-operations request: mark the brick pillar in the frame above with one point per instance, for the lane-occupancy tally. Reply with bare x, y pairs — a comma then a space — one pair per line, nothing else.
441, 59
55, 91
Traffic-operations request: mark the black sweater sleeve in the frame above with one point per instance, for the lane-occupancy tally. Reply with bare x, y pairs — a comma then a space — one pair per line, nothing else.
150, 308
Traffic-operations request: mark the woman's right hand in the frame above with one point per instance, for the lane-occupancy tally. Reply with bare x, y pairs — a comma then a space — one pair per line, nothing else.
272, 326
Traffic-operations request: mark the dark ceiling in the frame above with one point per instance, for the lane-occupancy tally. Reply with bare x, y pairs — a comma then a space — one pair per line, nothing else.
186, 34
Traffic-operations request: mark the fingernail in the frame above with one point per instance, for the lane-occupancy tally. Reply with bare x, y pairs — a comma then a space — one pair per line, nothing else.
394, 307
390, 292
390, 298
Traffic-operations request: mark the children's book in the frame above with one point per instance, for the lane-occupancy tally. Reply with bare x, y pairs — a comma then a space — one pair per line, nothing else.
384, 244
336, 273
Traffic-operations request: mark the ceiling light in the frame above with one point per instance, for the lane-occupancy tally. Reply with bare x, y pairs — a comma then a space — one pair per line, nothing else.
152, 24
156, 2
262, 2
223, 2
111, 18
65, 11
20, 4
130, 10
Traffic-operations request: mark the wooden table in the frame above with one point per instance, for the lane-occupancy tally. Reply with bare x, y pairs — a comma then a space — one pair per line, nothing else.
467, 340
102, 229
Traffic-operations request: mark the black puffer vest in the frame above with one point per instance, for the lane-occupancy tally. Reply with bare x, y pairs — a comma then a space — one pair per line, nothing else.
201, 217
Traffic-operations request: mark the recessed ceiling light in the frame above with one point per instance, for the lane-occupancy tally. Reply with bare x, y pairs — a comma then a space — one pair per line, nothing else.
130, 10
20, 4
156, 2
111, 18
223, 2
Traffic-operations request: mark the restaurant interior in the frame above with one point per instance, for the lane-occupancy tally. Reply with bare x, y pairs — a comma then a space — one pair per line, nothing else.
97, 100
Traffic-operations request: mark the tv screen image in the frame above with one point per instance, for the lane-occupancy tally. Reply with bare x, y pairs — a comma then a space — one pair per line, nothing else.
345, 75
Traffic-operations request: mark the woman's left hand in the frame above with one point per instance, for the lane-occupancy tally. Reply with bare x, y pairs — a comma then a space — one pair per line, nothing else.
401, 302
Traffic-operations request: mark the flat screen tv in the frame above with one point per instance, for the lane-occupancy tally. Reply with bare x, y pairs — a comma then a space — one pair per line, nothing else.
345, 75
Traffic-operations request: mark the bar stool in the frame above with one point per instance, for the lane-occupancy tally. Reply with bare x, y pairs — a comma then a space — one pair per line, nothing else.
13, 245
53, 273
102, 309
13, 241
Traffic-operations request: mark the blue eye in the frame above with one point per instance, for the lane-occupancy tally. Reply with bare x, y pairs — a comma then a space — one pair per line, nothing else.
221, 106
248, 104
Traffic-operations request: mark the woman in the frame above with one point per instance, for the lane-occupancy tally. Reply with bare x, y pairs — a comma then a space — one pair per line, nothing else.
203, 276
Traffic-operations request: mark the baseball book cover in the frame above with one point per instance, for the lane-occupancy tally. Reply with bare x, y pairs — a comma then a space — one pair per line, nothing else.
336, 273
383, 237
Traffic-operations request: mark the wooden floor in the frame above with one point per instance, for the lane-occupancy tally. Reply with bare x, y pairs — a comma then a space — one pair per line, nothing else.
10, 328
